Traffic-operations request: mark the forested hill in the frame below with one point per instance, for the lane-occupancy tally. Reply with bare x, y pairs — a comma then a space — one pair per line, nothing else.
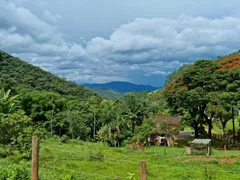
16, 74
107, 93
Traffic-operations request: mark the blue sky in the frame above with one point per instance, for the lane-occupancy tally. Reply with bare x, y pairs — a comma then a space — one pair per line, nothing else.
92, 41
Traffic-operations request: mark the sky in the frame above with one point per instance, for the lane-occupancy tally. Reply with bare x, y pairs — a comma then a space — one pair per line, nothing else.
98, 41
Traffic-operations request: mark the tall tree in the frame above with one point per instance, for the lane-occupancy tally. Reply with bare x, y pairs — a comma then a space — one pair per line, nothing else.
93, 104
194, 91
135, 107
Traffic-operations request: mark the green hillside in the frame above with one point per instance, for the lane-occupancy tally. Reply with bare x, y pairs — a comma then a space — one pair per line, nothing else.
16, 74
107, 93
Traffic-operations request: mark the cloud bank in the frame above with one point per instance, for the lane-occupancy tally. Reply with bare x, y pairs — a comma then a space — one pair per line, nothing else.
141, 48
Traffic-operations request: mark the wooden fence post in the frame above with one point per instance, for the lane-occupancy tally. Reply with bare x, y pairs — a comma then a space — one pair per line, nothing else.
143, 170
35, 156
225, 151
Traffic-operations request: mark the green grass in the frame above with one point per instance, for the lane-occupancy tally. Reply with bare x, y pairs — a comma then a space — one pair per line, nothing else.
229, 126
217, 128
81, 160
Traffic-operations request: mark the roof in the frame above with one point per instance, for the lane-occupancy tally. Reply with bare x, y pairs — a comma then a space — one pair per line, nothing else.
201, 141
169, 120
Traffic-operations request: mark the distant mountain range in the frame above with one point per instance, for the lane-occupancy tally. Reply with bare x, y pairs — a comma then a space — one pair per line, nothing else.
122, 87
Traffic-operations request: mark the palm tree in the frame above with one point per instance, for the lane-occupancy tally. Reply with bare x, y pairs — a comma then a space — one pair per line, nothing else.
135, 109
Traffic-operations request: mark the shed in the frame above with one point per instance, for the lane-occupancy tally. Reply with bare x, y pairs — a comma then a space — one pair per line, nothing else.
201, 147
172, 122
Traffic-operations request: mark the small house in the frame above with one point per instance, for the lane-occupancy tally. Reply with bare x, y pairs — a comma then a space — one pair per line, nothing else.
201, 147
164, 134
172, 122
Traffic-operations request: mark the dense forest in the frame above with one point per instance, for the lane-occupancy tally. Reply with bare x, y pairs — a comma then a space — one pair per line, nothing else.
33, 101
16, 75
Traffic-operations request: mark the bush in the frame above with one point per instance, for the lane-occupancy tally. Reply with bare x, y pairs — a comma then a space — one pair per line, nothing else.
69, 177
125, 142
64, 139
17, 130
96, 156
14, 172
209, 174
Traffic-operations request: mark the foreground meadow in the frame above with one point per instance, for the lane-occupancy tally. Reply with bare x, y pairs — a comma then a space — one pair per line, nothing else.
82, 160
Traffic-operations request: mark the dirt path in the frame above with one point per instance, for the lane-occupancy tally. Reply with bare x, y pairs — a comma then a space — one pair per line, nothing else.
221, 160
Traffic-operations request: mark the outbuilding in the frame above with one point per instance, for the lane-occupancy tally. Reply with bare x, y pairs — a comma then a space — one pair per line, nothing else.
201, 147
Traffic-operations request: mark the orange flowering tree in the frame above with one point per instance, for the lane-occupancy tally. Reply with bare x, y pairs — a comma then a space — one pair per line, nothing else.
196, 94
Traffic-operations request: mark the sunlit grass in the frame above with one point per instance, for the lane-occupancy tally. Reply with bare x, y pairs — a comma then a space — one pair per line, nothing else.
82, 160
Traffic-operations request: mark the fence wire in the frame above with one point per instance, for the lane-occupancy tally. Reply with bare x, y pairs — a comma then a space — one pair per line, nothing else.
148, 164
77, 171
115, 160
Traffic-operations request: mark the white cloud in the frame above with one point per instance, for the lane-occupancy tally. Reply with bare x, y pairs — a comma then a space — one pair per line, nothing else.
142, 47
50, 17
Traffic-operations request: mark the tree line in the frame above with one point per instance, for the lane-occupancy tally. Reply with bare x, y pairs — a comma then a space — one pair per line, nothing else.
39, 103
93, 119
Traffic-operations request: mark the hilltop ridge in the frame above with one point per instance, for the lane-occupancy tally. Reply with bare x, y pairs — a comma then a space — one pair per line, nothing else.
16, 74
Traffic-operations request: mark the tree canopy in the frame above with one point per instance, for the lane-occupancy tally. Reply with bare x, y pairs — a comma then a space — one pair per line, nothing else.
205, 90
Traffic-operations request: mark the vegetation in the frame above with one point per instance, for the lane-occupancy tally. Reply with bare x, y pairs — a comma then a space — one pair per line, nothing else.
35, 102
84, 160
175, 74
16, 74
107, 93
41, 103
206, 91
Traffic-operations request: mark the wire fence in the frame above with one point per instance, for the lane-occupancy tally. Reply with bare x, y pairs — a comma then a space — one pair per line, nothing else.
228, 140
134, 162
48, 154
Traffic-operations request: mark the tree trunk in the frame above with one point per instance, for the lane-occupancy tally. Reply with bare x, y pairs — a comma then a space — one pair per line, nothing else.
223, 127
94, 125
133, 127
118, 130
195, 126
209, 122
210, 129
233, 123
109, 131
224, 130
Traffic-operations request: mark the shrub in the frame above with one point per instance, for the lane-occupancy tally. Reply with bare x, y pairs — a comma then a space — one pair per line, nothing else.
64, 139
14, 172
96, 156
209, 174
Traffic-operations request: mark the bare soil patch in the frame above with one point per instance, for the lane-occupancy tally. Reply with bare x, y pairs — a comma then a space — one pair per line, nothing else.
220, 160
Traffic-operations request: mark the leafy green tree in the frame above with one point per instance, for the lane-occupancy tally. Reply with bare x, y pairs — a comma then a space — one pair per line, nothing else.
175, 74
114, 128
93, 104
43, 107
192, 94
143, 132
8, 103
157, 103
135, 107
17, 130
78, 119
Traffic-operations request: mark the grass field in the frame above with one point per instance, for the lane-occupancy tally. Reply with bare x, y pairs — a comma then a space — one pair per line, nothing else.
82, 160
217, 127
